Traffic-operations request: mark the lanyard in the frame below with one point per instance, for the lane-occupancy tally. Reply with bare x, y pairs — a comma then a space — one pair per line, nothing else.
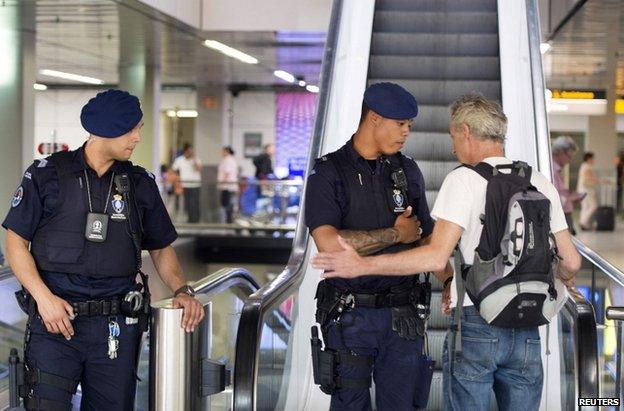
110, 188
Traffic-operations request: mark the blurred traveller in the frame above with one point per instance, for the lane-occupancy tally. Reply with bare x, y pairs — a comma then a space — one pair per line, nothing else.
587, 186
373, 197
86, 215
188, 168
227, 183
563, 150
478, 356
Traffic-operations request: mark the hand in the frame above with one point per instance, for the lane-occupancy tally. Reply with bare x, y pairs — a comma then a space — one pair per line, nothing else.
408, 227
346, 263
56, 314
446, 300
193, 311
567, 281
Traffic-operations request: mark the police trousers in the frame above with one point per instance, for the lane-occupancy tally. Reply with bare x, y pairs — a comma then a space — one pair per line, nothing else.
107, 384
368, 331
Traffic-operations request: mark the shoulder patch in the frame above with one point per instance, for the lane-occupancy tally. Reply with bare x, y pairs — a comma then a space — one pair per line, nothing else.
141, 170
17, 197
28, 175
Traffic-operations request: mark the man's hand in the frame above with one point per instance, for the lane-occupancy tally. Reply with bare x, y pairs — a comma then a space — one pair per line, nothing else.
56, 314
408, 227
567, 281
446, 300
193, 311
345, 264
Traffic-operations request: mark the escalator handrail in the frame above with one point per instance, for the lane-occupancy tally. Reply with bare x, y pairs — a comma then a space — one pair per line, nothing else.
599, 261
542, 139
222, 276
586, 354
6, 272
278, 290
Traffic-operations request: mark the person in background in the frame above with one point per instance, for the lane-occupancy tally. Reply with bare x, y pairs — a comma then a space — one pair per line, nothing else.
227, 183
264, 162
587, 183
563, 150
188, 168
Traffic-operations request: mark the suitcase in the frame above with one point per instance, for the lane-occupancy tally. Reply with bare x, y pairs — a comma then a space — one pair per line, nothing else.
605, 218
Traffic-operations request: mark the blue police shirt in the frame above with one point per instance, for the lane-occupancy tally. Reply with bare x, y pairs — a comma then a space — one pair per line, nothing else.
36, 199
363, 203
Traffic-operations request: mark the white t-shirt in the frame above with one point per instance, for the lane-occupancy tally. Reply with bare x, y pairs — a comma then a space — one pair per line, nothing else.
189, 176
461, 200
227, 174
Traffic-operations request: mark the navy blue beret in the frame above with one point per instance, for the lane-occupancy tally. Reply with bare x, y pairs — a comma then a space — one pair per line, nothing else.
111, 113
390, 100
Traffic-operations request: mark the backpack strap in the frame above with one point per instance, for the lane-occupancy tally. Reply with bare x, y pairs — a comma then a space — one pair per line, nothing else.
485, 170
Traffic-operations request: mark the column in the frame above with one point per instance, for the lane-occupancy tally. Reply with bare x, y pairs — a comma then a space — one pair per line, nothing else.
139, 74
17, 96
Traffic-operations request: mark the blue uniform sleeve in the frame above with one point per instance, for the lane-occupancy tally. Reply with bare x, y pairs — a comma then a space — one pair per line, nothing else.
158, 230
417, 184
321, 205
26, 206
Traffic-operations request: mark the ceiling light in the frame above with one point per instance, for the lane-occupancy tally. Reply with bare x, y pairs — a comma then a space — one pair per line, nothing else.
284, 75
171, 113
312, 89
70, 76
230, 52
302, 83
186, 113
40, 87
544, 47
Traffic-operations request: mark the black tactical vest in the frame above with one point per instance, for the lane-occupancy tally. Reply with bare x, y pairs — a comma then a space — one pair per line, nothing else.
59, 244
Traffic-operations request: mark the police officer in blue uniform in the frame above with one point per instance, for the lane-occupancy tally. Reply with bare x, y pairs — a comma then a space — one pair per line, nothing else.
372, 197
86, 215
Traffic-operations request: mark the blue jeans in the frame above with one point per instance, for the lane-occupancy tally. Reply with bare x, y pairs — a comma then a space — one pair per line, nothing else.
505, 360
368, 331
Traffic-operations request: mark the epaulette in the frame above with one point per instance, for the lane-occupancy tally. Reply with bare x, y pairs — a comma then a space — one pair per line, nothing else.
143, 171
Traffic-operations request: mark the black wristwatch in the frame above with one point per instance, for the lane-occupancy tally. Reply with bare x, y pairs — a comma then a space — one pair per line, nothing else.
186, 289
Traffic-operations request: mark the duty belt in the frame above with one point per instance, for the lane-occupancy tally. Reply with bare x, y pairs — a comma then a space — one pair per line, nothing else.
393, 297
97, 307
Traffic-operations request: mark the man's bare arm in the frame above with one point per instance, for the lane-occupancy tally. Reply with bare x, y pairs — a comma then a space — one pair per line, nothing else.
370, 242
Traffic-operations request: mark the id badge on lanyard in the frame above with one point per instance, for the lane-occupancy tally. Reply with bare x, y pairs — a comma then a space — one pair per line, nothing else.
96, 227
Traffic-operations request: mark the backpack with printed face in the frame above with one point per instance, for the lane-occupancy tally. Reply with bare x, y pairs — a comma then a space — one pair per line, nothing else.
511, 281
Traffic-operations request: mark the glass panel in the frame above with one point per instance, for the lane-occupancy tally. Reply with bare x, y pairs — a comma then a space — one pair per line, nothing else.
275, 356
567, 350
12, 326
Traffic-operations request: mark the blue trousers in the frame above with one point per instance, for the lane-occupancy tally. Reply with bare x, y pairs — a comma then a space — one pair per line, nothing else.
368, 331
505, 360
107, 384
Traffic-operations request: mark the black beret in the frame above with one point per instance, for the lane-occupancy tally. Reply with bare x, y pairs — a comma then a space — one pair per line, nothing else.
390, 100
111, 113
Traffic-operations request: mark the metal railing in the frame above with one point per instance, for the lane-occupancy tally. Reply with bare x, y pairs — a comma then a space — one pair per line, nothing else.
175, 355
274, 293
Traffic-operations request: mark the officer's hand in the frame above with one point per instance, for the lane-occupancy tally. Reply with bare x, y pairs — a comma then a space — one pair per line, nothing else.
406, 323
346, 263
193, 311
408, 227
56, 313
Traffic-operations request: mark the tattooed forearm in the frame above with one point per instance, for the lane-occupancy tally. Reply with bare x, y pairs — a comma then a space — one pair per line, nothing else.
369, 242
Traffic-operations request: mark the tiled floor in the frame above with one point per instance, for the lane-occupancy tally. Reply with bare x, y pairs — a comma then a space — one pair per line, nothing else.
609, 244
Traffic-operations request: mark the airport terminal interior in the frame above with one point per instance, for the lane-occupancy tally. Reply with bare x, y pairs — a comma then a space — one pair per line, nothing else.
282, 81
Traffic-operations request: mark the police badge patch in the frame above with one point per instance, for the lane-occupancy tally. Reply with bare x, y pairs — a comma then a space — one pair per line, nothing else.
17, 197
118, 208
396, 200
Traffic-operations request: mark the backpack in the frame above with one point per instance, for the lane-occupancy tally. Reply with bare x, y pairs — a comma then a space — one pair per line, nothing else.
511, 281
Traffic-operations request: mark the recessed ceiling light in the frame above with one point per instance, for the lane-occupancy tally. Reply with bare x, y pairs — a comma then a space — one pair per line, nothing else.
71, 76
545, 47
40, 87
284, 75
230, 51
312, 89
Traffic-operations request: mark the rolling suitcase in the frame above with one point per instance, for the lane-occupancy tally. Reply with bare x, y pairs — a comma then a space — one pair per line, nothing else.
605, 214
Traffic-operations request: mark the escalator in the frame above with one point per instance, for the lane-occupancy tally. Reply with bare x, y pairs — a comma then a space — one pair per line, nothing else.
438, 51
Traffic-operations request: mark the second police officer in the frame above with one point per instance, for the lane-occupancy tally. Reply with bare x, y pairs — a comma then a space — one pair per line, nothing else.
86, 215
371, 196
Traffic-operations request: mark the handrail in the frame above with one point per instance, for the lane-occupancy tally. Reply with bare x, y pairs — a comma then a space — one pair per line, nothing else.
586, 356
542, 139
5, 272
250, 325
599, 261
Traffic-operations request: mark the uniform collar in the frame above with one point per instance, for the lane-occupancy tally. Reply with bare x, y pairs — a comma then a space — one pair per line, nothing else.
356, 158
79, 157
